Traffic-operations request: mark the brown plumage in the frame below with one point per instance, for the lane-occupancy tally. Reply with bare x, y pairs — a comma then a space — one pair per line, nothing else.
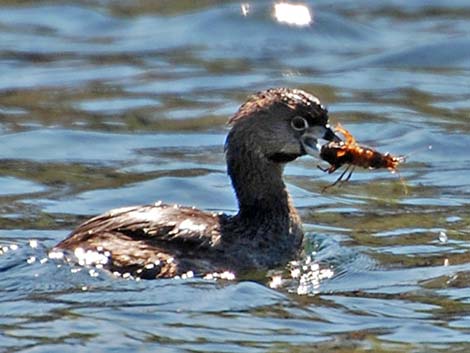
272, 128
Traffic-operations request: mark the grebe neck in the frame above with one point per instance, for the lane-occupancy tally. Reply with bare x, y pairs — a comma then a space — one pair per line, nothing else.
260, 189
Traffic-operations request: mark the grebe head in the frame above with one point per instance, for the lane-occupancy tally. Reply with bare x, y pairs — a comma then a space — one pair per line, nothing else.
279, 125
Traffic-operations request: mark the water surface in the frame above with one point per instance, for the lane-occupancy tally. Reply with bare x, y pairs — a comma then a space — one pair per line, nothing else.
106, 104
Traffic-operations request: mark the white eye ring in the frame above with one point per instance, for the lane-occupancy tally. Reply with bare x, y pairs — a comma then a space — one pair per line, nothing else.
299, 123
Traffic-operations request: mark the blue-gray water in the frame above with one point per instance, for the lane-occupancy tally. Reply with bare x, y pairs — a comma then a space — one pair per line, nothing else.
112, 103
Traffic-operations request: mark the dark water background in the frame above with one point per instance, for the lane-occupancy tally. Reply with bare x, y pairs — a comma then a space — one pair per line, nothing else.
112, 103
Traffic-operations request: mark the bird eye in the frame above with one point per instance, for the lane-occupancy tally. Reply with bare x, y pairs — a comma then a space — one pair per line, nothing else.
299, 123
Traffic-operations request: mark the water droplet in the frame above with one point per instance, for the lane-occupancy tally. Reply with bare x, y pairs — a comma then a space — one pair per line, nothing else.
245, 8
315, 267
295, 273
326, 273
33, 243
443, 237
208, 276
229, 276
57, 255
276, 281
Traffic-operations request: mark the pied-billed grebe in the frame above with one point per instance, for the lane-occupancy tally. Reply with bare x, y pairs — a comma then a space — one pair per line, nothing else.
272, 128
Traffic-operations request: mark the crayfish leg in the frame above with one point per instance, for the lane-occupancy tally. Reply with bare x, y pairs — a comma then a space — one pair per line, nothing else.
350, 172
350, 169
350, 140
329, 170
